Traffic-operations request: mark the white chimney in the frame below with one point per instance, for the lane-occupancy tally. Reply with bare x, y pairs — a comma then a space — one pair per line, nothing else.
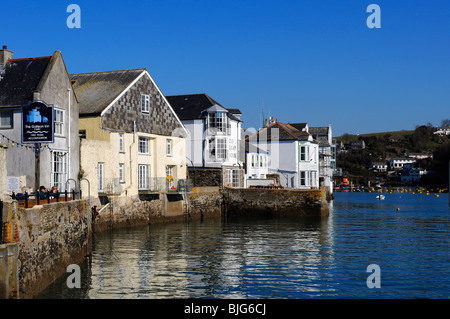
5, 55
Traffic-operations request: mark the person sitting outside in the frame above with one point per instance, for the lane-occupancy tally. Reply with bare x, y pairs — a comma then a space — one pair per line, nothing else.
54, 193
42, 193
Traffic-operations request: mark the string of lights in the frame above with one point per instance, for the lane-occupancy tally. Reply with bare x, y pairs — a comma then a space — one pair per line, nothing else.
18, 145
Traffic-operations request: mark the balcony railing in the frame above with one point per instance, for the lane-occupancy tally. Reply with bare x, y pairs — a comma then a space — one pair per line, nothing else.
164, 184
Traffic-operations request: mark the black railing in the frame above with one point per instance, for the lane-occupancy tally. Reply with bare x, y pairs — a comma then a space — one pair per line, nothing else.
1, 222
29, 200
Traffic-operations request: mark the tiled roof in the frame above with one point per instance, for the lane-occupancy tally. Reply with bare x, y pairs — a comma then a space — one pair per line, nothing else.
286, 132
191, 106
95, 91
19, 78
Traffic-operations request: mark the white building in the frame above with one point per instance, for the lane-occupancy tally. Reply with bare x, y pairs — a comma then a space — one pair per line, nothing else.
293, 154
256, 165
399, 162
214, 135
379, 166
327, 154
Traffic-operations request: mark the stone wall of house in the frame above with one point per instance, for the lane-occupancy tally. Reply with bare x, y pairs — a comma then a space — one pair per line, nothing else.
275, 202
50, 237
204, 177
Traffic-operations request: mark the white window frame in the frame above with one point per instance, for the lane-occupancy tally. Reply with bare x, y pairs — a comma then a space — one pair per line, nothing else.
143, 145
101, 176
145, 103
221, 148
143, 176
302, 178
59, 125
121, 145
59, 169
9, 115
169, 144
121, 173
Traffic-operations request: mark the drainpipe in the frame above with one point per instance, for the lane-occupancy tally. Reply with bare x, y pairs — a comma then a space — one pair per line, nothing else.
131, 161
68, 155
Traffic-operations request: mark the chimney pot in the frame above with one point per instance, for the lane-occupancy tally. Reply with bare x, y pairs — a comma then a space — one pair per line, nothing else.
5, 47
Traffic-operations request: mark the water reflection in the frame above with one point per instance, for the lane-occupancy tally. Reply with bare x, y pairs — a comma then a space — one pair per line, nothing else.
277, 257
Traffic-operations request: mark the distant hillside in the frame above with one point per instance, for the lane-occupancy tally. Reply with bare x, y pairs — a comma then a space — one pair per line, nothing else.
346, 138
381, 146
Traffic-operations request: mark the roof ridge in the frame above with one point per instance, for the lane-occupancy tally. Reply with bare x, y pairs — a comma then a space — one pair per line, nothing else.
112, 71
33, 58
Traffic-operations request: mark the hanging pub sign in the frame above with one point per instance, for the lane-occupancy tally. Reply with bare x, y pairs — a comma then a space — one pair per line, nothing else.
37, 123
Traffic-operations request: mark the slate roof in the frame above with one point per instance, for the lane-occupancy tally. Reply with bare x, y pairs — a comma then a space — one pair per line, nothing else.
286, 132
321, 134
95, 91
191, 106
20, 78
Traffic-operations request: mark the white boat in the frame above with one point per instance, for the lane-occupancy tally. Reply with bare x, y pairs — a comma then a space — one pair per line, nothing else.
380, 197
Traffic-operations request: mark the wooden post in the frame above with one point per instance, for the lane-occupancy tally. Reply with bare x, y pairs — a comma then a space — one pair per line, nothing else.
37, 166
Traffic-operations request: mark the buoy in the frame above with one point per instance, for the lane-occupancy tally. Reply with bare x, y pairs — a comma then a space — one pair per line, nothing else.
398, 209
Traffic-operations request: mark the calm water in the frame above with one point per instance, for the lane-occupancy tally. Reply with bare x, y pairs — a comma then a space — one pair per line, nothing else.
279, 257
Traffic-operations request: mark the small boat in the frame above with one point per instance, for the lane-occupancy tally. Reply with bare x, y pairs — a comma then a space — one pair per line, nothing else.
380, 197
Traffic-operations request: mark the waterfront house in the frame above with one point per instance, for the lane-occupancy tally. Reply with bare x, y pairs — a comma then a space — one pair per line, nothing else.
327, 154
256, 165
44, 79
293, 154
132, 142
213, 141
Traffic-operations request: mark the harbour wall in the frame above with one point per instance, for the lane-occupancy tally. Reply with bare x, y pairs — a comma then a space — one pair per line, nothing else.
41, 242
276, 202
200, 202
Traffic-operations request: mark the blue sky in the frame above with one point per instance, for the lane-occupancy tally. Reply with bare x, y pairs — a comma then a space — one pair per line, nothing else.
312, 61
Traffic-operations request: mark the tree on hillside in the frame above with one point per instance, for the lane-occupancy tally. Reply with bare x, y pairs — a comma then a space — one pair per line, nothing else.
445, 122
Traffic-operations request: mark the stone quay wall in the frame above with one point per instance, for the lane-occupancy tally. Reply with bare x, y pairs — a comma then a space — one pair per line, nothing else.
49, 238
275, 202
201, 202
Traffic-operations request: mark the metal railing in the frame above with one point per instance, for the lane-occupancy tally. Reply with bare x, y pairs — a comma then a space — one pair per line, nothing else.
29, 200
165, 184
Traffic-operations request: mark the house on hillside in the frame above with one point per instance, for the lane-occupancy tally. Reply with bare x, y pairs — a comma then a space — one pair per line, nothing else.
399, 162
293, 154
411, 175
357, 145
378, 166
213, 143
132, 142
45, 80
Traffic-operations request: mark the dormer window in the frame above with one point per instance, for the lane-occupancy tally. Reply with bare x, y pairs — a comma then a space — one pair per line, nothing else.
217, 121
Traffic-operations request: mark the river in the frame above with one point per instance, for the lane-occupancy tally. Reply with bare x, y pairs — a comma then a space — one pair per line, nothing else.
405, 235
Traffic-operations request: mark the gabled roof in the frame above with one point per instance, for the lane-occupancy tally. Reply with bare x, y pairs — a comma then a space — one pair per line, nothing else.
320, 133
192, 106
247, 147
20, 78
286, 132
97, 90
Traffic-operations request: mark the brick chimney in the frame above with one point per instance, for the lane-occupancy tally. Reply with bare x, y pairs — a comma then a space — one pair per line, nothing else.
5, 55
